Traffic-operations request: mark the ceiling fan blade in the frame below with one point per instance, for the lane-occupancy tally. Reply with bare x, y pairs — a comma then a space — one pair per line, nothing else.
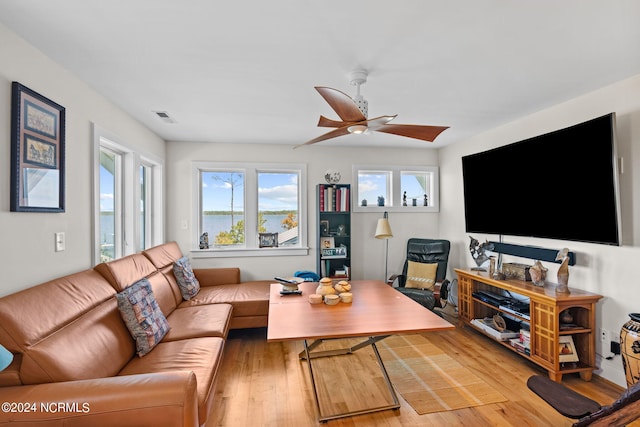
331, 134
425, 133
342, 104
328, 123
378, 122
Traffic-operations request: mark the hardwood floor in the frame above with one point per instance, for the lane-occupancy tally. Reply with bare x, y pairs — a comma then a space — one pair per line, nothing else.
265, 384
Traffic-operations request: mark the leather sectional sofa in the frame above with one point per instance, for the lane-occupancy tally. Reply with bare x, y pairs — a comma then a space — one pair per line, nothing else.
75, 360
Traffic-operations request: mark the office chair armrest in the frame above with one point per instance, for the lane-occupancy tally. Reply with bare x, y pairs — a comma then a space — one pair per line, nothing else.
393, 278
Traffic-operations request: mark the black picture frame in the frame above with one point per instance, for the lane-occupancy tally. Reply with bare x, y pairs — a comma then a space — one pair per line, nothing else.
268, 240
37, 152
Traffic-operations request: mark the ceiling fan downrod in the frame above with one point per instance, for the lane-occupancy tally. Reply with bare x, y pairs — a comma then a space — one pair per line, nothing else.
356, 78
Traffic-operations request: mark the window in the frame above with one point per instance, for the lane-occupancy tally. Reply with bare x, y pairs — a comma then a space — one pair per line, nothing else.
396, 188
125, 183
237, 202
109, 222
374, 188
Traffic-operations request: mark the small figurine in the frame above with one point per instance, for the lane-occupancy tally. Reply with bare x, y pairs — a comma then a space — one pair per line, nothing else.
404, 199
426, 200
538, 273
563, 271
380, 201
204, 240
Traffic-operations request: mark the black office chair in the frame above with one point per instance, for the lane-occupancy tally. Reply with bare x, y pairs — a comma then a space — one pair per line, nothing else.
426, 251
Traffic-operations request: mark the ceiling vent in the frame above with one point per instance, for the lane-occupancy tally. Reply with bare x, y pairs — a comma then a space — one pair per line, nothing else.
164, 116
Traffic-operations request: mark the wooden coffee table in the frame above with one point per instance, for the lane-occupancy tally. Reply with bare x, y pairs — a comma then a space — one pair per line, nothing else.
377, 311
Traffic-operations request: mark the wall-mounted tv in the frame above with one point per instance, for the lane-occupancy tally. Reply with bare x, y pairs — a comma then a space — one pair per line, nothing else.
560, 185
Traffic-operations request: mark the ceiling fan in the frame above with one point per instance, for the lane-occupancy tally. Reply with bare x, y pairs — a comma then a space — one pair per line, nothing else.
353, 114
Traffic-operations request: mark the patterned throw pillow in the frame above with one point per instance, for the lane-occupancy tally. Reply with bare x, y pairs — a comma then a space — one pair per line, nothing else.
141, 313
189, 285
421, 275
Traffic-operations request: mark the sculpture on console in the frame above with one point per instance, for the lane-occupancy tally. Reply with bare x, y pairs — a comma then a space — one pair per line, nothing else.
563, 271
538, 273
478, 252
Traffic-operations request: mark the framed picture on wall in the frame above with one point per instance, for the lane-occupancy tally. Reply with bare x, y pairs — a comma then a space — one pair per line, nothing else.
37, 152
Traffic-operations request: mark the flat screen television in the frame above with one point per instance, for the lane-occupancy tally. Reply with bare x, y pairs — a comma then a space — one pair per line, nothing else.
560, 185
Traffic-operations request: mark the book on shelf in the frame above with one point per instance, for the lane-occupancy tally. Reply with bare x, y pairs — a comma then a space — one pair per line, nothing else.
519, 346
488, 327
334, 198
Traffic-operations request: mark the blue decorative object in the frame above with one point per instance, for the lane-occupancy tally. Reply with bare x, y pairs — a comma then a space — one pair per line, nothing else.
308, 276
5, 357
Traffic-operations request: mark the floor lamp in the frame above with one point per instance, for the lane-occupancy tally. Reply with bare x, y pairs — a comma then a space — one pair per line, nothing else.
383, 231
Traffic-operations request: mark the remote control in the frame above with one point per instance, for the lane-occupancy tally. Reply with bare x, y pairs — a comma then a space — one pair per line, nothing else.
298, 292
283, 280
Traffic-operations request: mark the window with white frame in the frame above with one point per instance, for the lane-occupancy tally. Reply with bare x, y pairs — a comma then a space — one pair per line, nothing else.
127, 199
396, 188
239, 203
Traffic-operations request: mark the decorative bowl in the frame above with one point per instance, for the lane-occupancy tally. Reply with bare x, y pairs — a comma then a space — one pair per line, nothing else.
315, 299
346, 297
331, 299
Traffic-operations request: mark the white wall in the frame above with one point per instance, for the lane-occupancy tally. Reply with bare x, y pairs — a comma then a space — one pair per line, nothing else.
367, 252
27, 255
606, 270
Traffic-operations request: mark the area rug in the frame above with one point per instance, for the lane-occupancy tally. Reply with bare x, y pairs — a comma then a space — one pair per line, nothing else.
429, 379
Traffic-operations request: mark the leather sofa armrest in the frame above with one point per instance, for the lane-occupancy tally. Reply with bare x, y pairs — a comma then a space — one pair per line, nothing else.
161, 399
217, 276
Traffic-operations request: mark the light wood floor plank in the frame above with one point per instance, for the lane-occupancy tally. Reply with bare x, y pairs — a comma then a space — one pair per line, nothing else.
265, 384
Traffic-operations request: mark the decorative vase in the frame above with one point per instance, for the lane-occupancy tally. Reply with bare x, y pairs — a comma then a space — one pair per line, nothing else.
325, 287
630, 348
566, 317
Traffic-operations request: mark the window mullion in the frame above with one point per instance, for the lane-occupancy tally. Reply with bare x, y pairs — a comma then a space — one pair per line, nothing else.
251, 208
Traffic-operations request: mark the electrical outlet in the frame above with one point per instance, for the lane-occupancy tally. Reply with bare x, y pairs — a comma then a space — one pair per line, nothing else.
604, 335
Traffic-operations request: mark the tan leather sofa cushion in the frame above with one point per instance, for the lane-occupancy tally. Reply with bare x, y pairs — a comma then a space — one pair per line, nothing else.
125, 271
162, 257
160, 400
211, 320
247, 298
217, 276
164, 254
203, 356
68, 328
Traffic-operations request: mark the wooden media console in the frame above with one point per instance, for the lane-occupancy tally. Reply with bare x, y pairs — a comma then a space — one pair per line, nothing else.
546, 333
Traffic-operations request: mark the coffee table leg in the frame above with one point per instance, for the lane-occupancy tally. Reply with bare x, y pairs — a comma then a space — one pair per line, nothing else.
371, 341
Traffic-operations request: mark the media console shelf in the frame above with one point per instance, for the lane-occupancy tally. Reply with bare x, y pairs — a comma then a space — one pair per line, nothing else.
544, 312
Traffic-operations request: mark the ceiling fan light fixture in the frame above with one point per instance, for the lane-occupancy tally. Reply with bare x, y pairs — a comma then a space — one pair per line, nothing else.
357, 129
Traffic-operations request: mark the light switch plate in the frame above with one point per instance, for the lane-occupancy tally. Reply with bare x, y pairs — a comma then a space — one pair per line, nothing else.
60, 241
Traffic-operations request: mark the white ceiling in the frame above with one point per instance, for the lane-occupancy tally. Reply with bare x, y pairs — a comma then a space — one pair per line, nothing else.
244, 71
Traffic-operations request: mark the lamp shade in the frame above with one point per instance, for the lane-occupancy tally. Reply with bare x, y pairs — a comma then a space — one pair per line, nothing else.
383, 229
5, 358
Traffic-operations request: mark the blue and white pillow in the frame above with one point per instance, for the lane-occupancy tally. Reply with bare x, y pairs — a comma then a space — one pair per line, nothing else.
187, 282
142, 315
